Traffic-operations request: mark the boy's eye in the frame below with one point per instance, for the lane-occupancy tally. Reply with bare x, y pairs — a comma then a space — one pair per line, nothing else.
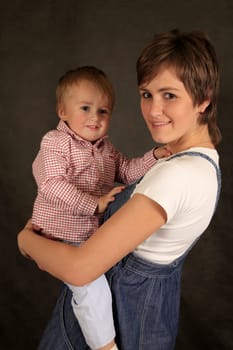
104, 111
85, 108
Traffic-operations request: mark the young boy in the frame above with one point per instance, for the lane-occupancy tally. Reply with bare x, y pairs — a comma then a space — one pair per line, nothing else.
75, 171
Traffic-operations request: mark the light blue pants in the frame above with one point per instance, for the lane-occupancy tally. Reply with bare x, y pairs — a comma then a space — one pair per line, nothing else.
92, 306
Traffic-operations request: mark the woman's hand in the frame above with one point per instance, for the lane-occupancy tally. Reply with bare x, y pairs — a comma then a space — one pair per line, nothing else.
28, 227
134, 222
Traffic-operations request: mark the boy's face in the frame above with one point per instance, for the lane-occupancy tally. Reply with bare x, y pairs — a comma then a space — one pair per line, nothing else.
86, 110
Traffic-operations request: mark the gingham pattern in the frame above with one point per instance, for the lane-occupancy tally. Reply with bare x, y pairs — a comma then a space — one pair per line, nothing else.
71, 174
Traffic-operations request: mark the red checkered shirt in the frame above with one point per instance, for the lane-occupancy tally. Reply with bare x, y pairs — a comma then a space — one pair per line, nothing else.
71, 174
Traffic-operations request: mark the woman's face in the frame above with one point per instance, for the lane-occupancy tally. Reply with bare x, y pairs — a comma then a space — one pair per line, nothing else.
169, 111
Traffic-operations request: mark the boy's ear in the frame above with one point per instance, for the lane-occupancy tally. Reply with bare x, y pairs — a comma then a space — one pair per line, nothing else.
61, 113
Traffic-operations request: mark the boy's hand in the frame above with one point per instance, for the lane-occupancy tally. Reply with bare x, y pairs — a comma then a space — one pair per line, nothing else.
108, 198
162, 152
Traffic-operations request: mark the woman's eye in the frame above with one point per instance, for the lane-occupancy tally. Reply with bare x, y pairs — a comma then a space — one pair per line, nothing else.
146, 94
169, 96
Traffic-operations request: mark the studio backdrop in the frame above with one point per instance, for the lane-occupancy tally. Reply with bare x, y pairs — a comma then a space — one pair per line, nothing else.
39, 41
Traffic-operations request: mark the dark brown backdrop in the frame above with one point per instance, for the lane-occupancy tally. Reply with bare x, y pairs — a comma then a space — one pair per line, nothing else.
39, 41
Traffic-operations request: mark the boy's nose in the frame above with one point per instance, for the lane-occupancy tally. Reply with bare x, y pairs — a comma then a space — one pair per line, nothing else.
94, 116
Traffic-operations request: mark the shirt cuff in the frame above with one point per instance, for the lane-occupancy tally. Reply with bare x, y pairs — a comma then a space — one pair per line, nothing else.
87, 205
149, 158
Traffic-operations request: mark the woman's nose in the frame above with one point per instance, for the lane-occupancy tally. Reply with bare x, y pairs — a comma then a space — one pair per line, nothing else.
156, 109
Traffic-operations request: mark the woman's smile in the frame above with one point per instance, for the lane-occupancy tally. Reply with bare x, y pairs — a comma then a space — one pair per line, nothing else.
159, 124
169, 111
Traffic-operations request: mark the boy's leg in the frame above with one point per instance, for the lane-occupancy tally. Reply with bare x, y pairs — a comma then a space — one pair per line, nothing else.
92, 305
111, 346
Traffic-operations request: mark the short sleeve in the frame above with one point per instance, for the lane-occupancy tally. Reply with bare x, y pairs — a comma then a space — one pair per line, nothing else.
167, 185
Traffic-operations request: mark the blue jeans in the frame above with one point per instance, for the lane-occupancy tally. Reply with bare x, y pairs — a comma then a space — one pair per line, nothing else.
146, 298
63, 331
146, 304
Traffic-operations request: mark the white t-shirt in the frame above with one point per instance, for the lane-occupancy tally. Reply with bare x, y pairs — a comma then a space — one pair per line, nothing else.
186, 188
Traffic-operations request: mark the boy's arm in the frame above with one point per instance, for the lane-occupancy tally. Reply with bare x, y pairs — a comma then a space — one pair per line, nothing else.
130, 170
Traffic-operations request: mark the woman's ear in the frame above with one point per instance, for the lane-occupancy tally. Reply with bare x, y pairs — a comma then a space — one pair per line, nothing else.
203, 106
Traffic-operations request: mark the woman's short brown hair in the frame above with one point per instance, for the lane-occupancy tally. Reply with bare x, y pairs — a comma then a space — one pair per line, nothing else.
194, 59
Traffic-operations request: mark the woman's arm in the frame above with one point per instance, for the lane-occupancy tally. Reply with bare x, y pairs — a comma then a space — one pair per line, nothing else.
117, 237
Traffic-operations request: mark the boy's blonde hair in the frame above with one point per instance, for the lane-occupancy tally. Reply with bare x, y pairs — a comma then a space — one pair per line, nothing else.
89, 73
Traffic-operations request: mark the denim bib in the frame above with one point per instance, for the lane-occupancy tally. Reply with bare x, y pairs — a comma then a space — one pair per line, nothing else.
146, 298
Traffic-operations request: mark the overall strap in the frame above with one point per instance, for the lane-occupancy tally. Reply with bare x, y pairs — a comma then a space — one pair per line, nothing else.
218, 174
205, 156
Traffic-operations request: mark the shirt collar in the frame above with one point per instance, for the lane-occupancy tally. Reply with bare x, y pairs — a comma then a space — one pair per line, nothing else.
62, 126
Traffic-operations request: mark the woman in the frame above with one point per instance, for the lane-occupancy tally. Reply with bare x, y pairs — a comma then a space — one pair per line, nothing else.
147, 239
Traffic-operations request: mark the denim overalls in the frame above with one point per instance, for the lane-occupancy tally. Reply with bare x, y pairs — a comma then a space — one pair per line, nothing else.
146, 299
